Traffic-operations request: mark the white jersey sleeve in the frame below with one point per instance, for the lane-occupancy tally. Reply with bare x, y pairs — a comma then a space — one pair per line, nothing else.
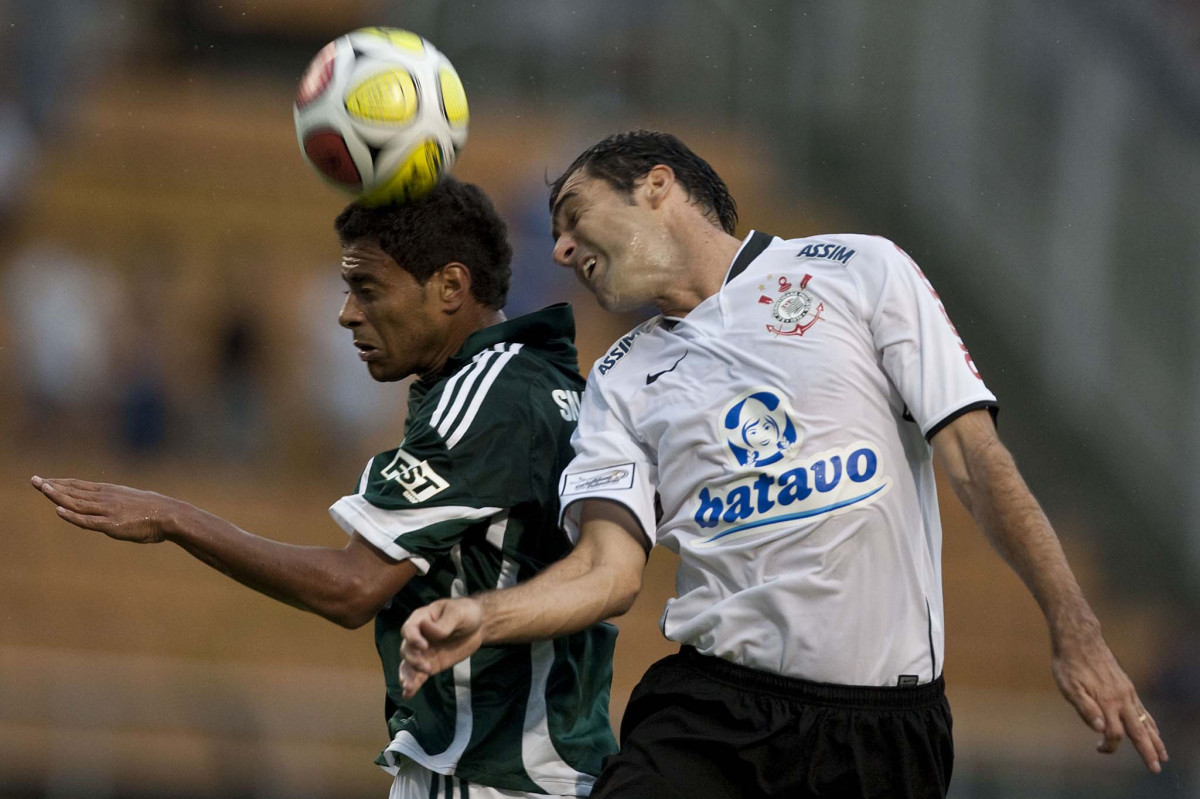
922, 353
610, 463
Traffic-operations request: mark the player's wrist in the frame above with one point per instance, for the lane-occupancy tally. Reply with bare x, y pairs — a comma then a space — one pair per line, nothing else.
175, 520
484, 610
1073, 631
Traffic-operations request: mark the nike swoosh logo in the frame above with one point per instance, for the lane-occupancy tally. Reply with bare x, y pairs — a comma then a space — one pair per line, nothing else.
651, 378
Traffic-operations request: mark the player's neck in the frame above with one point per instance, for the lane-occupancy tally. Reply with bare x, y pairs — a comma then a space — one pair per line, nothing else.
703, 259
470, 320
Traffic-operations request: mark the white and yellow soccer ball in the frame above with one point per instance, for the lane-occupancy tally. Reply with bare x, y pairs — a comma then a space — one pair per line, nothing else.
381, 114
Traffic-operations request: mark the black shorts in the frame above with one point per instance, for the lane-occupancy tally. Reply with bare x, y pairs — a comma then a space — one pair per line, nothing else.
699, 727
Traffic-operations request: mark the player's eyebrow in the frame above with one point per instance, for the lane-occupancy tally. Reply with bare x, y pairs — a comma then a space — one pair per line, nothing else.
559, 202
356, 275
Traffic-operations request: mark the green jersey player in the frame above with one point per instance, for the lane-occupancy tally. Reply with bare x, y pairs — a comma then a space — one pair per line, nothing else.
467, 502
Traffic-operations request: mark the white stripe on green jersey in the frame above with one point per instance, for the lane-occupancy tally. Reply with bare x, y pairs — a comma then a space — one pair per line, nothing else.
355, 514
470, 497
477, 400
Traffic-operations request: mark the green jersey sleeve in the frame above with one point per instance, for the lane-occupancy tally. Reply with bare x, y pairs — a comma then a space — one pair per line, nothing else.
465, 458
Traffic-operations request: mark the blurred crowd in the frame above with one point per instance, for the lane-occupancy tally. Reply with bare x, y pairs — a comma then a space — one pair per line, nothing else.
110, 352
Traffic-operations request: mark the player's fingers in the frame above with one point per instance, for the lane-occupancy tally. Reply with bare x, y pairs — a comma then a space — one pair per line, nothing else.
1114, 732
79, 504
46, 485
1159, 744
1087, 709
411, 679
440, 623
70, 485
73, 484
42, 486
414, 654
86, 521
1144, 737
1152, 726
56, 490
414, 641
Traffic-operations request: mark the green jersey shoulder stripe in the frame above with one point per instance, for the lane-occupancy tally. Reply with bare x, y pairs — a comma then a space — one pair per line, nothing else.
470, 387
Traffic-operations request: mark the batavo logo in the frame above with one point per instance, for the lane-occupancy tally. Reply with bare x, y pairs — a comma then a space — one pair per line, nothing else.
758, 427
832, 482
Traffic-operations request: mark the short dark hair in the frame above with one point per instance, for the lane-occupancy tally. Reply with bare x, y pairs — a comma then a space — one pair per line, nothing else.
455, 221
624, 158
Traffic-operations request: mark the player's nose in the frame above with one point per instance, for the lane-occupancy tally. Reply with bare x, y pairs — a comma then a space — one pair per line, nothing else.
349, 316
564, 250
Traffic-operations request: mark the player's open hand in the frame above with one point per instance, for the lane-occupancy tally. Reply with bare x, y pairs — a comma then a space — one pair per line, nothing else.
436, 637
1091, 679
119, 512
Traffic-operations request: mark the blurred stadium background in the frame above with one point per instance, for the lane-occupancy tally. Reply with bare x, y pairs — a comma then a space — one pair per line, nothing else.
168, 292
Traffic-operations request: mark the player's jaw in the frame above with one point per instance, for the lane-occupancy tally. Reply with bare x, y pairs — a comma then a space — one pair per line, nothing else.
390, 349
374, 355
601, 269
624, 282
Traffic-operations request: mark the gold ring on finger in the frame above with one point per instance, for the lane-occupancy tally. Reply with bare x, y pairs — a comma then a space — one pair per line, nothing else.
1142, 718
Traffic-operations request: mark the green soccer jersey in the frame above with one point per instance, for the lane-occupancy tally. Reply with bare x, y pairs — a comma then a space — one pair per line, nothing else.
471, 498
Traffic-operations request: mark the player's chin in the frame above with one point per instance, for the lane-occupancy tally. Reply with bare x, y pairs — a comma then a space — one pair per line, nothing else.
385, 372
614, 302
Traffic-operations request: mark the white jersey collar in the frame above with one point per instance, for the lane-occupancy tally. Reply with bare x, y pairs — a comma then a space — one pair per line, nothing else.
752, 246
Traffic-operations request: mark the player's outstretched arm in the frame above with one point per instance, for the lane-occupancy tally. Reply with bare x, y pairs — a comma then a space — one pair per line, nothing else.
599, 579
347, 586
986, 479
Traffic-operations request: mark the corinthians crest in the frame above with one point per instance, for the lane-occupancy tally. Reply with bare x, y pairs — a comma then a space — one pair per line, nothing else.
794, 309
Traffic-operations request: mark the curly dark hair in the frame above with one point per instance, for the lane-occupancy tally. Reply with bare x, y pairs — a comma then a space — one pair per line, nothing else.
624, 158
455, 221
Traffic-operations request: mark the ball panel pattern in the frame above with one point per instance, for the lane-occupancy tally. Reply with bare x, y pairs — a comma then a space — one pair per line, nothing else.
453, 95
396, 37
389, 97
317, 76
327, 151
413, 178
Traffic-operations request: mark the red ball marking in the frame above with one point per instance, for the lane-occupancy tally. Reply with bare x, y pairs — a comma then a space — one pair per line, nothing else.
316, 76
327, 151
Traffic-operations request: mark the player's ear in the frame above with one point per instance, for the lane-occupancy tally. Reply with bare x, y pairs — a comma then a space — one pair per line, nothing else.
452, 284
657, 184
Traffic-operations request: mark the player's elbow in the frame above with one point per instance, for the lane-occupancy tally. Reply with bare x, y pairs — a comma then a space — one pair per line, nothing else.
624, 588
351, 605
350, 618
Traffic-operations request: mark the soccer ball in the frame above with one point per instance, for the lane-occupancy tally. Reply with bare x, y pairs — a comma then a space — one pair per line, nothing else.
381, 114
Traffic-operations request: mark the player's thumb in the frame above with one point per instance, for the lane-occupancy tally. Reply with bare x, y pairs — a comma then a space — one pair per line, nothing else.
441, 622
413, 633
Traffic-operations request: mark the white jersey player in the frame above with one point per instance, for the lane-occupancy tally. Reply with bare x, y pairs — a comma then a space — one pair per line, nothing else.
776, 426
783, 424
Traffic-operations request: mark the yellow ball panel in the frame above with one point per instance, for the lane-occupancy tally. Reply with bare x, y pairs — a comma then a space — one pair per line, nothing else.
398, 37
389, 97
415, 177
454, 97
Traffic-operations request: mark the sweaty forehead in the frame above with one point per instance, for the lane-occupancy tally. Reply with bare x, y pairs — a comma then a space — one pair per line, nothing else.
364, 256
572, 189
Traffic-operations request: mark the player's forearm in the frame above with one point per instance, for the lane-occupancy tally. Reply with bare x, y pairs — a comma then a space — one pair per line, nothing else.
598, 580
310, 578
1017, 527
567, 597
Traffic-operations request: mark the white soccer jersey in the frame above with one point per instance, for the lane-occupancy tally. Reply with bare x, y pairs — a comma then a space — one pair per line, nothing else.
783, 425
